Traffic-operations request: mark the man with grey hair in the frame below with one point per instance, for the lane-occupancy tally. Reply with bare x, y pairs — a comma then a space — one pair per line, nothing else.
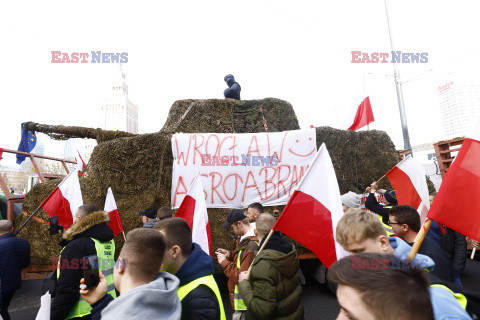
14, 256
271, 288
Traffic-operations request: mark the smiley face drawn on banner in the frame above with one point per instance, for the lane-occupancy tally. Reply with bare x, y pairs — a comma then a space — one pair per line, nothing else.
299, 141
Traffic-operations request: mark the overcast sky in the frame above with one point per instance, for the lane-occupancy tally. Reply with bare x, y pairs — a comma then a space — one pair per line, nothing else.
299, 51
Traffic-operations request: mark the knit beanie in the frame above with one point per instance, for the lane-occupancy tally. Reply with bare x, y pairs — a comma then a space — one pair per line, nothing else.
351, 199
391, 197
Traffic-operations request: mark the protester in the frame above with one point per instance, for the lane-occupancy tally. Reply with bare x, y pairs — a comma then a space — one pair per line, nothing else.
149, 217
198, 291
351, 202
452, 242
89, 235
359, 232
253, 211
405, 222
14, 256
389, 199
233, 90
164, 213
370, 287
239, 260
145, 293
272, 289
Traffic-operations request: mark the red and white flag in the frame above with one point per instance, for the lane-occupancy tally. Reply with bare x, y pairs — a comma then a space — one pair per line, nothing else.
314, 209
64, 200
361, 114
461, 179
80, 166
194, 210
408, 178
111, 208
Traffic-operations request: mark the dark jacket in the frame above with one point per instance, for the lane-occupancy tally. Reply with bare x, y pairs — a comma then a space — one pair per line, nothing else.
150, 223
372, 204
77, 244
229, 265
201, 302
274, 290
455, 246
443, 267
233, 90
14, 256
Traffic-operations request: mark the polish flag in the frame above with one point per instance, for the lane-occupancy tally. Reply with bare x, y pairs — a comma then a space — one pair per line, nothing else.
194, 210
362, 113
64, 200
111, 208
314, 209
408, 178
462, 179
80, 166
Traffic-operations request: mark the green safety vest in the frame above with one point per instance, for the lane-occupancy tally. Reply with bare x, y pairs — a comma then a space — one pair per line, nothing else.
105, 253
237, 299
460, 297
208, 281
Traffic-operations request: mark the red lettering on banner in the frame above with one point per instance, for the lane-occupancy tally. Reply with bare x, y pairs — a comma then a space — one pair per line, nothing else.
257, 150
214, 187
294, 180
281, 181
217, 149
179, 184
269, 181
254, 185
221, 144
235, 158
181, 154
236, 185
195, 147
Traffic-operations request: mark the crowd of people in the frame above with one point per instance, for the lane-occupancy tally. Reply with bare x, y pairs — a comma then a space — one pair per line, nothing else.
161, 273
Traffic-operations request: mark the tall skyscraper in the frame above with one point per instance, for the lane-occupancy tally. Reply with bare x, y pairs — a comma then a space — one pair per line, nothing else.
459, 106
117, 111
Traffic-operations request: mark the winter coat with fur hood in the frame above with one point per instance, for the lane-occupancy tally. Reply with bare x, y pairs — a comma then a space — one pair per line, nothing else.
77, 244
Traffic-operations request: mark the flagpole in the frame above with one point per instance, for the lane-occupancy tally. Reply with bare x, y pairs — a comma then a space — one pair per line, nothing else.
473, 253
124, 237
23, 225
419, 239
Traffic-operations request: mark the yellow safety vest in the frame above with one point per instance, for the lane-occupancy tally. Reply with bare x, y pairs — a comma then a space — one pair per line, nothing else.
105, 253
238, 303
460, 297
387, 228
208, 281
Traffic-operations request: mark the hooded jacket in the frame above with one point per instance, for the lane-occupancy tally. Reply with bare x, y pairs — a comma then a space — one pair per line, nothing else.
274, 290
201, 302
229, 265
77, 244
155, 300
233, 90
14, 256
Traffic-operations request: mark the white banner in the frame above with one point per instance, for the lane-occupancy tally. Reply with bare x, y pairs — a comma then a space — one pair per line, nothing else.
239, 169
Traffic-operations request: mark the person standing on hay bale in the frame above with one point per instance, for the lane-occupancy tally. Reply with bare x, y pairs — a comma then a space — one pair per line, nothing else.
239, 260
14, 256
149, 217
89, 235
233, 90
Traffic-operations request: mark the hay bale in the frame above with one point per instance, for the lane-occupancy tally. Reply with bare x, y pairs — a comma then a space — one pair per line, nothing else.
139, 168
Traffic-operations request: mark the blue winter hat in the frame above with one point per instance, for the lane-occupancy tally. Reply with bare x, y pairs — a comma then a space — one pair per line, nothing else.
390, 197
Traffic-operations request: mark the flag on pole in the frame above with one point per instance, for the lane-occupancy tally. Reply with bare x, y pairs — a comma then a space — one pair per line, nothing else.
194, 210
27, 143
408, 178
111, 209
361, 114
64, 200
314, 209
462, 179
80, 166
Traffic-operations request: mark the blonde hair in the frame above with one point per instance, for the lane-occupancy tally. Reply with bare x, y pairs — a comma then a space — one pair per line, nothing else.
357, 227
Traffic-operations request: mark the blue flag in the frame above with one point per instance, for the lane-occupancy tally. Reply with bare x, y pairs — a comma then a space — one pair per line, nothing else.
28, 142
